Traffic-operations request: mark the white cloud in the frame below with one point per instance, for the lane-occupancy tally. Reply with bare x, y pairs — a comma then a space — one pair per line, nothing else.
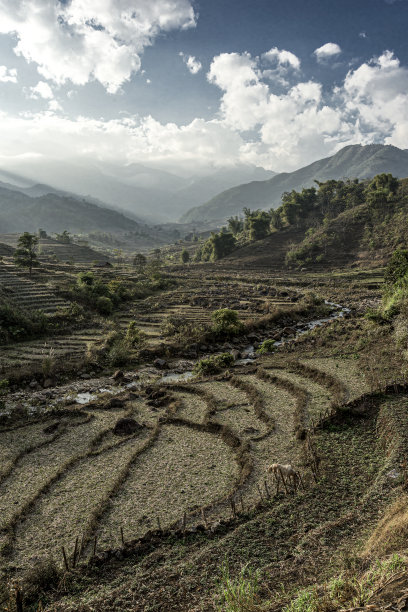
8, 75
193, 64
41, 90
254, 124
54, 106
282, 58
326, 51
377, 92
83, 40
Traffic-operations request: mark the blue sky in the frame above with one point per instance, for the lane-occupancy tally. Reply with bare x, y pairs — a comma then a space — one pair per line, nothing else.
197, 84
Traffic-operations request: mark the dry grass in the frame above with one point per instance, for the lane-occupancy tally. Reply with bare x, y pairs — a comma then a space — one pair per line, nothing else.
185, 470
192, 407
391, 533
346, 370
319, 397
64, 512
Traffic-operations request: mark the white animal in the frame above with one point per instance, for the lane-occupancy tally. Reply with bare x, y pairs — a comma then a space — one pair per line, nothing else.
285, 472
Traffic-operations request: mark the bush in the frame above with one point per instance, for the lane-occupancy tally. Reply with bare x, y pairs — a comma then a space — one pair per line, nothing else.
226, 322
213, 365
267, 346
135, 337
104, 305
17, 325
120, 353
43, 576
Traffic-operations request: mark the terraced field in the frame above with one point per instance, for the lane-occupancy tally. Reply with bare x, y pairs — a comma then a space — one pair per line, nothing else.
27, 294
69, 349
206, 443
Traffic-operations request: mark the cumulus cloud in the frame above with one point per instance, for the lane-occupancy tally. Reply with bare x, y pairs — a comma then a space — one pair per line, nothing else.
282, 58
41, 90
254, 124
193, 64
8, 75
82, 40
326, 51
377, 91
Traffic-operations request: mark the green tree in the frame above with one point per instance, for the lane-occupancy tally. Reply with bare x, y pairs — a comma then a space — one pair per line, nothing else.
64, 237
397, 269
258, 224
25, 256
235, 225
185, 256
139, 261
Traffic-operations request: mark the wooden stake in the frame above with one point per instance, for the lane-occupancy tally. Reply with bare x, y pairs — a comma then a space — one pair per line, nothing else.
232, 507
204, 518
74, 556
121, 536
284, 482
94, 546
184, 521
19, 600
65, 559
266, 489
158, 523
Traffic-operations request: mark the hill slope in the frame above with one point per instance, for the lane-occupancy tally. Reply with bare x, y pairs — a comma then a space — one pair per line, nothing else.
55, 213
355, 161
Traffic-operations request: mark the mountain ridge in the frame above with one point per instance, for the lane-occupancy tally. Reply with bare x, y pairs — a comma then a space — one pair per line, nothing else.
353, 161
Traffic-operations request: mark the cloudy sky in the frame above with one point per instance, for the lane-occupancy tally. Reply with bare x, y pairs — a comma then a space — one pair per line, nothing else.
187, 84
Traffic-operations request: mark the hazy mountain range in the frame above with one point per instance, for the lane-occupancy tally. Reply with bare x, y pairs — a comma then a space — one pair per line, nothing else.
139, 191
355, 161
122, 198
55, 213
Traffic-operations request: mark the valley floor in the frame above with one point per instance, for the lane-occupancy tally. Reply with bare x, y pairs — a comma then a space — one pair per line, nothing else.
180, 512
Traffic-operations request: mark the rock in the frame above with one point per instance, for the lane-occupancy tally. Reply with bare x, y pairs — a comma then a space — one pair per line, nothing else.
115, 402
236, 354
126, 427
118, 375
253, 336
85, 376
33, 384
160, 363
47, 383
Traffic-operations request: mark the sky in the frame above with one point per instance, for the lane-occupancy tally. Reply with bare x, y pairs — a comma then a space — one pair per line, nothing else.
188, 85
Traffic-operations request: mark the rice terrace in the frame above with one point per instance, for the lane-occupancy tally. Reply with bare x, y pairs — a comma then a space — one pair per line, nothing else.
203, 306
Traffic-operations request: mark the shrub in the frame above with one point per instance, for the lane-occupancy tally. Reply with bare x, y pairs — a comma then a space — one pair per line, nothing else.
44, 575
267, 346
17, 325
226, 322
213, 365
120, 352
104, 305
135, 337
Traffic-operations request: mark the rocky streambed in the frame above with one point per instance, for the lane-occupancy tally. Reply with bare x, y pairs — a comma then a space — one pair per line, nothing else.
36, 400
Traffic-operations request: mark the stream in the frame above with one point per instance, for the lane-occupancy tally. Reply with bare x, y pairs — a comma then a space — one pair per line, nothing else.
81, 392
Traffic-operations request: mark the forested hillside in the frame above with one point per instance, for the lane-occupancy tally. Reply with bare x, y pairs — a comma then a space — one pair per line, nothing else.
335, 222
355, 161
